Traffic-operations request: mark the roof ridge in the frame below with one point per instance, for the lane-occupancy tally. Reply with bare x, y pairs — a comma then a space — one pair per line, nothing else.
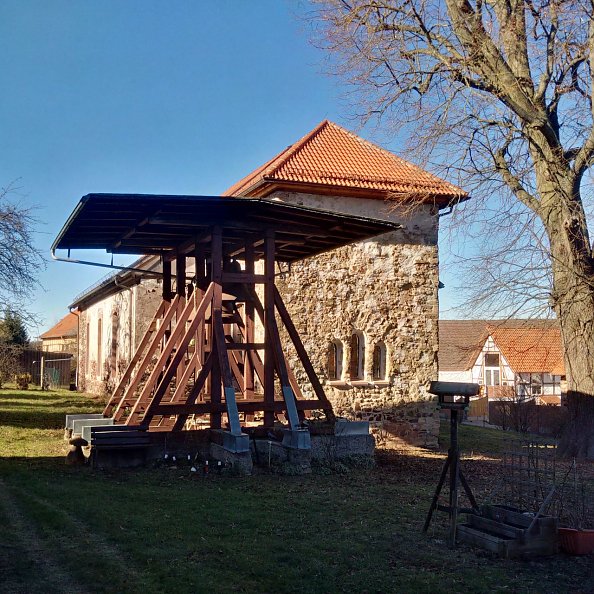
284, 157
332, 156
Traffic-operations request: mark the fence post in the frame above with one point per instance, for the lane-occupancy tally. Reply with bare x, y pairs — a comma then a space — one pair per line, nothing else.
42, 371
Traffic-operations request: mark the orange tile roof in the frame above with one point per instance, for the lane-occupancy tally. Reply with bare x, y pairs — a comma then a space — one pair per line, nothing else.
334, 159
531, 349
549, 399
66, 327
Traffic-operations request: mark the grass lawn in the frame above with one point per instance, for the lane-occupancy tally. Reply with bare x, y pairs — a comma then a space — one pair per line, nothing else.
164, 530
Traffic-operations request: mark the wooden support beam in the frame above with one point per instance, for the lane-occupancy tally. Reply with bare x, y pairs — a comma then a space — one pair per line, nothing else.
216, 273
243, 277
248, 330
180, 276
226, 376
184, 336
168, 347
167, 292
182, 382
155, 343
268, 316
249, 406
302, 354
281, 368
195, 392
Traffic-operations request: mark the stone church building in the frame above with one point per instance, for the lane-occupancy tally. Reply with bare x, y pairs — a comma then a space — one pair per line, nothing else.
367, 312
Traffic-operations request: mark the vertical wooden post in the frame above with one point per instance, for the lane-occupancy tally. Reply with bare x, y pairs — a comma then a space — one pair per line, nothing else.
248, 364
268, 316
180, 289
216, 277
180, 276
200, 265
42, 372
167, 293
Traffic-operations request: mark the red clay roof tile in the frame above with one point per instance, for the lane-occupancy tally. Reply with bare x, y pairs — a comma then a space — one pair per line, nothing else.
332, 157
528, 345
531, 349
67, 326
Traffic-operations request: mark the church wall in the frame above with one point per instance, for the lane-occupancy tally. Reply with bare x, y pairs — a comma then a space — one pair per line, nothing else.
109, 332
385, 290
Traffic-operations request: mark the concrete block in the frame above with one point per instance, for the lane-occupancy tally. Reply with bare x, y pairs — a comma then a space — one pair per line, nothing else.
78, 424
240, 462
299, 439
71, 418
236, 443
344, 427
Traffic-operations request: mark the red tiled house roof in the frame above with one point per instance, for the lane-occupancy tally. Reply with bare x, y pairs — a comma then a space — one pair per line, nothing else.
531, 350
67, 327
460, 342
332, 160
527, 345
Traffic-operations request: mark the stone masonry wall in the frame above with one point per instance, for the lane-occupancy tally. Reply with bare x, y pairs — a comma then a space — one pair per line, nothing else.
385, 289
124, 316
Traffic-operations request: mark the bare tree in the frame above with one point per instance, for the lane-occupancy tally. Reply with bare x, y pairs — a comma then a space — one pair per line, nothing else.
20, 260
500, 91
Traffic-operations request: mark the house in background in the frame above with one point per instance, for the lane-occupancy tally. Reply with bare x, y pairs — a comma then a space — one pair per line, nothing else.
367, 312
519, 359
63, 337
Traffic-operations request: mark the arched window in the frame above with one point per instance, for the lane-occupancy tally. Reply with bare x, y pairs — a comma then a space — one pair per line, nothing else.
357, 368
379, 361
335, 360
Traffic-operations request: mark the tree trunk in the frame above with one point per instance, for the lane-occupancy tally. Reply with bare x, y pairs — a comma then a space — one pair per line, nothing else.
573, 300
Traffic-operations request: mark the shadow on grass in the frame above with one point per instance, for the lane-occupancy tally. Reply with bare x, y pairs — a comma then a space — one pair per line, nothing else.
38, 419
32, 409
34, 395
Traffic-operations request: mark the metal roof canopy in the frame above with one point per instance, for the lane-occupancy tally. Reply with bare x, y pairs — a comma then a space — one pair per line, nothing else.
171, 225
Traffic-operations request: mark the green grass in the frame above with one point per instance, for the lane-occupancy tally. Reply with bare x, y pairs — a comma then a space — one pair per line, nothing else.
165, 530
478, 439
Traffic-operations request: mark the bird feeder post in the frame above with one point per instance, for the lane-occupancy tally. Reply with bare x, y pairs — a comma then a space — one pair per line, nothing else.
454, 397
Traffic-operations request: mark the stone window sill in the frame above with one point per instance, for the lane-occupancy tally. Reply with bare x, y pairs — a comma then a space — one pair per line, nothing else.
360, 383
338, 384
381, 383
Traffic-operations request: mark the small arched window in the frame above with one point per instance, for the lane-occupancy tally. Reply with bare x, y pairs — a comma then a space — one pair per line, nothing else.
357, 367
379, 361
335, 360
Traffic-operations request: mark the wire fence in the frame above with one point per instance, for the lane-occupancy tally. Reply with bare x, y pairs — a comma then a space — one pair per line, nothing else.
58, 367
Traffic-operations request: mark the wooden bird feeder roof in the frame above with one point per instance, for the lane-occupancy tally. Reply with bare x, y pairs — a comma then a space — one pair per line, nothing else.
171, 225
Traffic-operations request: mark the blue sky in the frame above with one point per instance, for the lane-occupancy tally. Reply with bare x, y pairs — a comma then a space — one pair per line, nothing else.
151, 97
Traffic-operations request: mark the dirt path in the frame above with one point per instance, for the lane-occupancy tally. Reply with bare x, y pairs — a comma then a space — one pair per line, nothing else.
44, 573
101, 546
